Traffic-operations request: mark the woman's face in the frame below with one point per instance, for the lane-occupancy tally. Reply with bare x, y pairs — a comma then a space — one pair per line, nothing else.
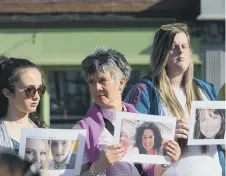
210, 123
104, 89
127, 138
19, 101
60, 149
36, 152
179, 56
148, 139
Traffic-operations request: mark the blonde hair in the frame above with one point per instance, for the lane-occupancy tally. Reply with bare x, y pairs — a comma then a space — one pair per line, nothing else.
161, 45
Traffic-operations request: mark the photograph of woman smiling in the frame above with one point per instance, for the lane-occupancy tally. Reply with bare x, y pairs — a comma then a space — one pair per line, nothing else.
210, 124
36, 152
149, 139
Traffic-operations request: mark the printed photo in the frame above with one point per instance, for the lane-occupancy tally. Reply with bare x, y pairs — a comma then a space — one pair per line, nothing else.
144, 135
207, 123
53, 151
37, 151
63, 154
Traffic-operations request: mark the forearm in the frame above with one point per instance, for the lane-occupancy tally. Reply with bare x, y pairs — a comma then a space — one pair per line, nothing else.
159, 170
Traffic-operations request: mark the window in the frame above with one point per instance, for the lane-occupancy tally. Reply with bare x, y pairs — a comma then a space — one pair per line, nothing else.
69, 93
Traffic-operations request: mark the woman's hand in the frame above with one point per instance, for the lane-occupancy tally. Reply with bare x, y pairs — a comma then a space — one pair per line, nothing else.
172, 149
181, 129
111, 155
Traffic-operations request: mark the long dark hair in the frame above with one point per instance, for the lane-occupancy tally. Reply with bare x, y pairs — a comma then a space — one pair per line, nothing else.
9, 74
140, 131
197, 132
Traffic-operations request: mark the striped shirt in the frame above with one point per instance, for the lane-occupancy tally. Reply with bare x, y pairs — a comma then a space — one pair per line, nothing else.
6, 142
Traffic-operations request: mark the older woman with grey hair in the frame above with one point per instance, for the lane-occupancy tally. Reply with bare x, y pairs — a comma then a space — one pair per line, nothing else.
107, 72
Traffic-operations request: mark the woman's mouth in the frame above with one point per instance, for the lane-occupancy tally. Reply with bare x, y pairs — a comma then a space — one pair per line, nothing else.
58, 155
38, 165
100, 96
34, 104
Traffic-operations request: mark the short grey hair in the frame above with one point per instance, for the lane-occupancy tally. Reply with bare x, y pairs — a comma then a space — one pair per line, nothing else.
117, 66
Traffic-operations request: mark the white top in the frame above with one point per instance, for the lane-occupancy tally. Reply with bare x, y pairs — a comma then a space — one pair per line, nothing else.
193, 162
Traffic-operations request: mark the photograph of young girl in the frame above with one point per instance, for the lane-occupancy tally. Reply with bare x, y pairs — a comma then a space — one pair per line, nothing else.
53, 151
207, 123
51, 154
36, 151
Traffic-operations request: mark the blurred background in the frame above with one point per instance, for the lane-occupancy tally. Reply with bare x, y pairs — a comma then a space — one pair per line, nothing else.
58, 34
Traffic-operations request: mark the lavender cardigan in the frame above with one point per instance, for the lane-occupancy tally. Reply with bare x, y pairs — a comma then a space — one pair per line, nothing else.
94, 123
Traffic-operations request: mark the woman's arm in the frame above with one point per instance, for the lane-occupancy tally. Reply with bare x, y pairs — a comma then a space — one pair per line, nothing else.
173, 150
108, 157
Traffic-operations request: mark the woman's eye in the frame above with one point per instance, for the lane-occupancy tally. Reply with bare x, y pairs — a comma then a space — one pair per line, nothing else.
173, 47
29, 153
64, 143
203, 120
90, 81
43, 153
102, 80
184, 46
214, 117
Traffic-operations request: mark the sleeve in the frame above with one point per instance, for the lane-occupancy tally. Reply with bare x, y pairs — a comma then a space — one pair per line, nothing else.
217, 92
139, 97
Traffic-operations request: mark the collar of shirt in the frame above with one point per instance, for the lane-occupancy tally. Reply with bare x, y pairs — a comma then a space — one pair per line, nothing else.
62, 165
109, 114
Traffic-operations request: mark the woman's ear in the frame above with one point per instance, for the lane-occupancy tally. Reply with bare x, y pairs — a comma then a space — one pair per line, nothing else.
6, 93
122, 83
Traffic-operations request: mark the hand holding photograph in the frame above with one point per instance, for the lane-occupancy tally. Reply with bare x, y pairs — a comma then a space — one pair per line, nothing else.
53, 151
144, 136
207, 123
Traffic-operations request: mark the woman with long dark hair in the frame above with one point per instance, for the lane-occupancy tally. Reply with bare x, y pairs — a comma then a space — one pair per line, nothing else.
149, 139
21, 87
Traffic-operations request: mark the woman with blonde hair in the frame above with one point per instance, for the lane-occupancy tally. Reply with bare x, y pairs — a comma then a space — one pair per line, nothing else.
169, 90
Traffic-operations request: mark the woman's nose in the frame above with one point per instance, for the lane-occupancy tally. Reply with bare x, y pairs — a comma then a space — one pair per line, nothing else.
36, 158
98, 86
148, 140
36, 96
59, 149
179, 49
